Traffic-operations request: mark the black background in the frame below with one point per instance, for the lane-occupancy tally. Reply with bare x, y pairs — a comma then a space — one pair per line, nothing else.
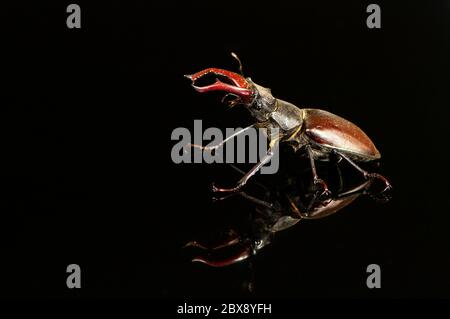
86, 120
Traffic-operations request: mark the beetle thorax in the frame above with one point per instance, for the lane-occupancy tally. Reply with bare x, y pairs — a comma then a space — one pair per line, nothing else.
287, 116
265, 107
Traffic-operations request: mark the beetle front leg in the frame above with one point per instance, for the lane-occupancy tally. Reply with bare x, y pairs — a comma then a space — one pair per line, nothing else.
211, 148
248, 175
322, 187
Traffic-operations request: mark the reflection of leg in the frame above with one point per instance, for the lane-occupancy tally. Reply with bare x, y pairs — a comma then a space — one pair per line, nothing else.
316, 204
370, 177
215, 147
248, 175
237, 169
246, 196
359, 189
295, 208
319, 183
255, 200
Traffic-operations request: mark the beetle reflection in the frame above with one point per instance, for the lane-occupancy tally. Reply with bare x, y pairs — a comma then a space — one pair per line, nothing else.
280, 207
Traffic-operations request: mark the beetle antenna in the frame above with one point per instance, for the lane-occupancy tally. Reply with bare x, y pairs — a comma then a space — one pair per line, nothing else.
234, 55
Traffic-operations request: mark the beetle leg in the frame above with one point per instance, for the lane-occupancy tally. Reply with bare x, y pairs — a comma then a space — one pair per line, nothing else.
243, 194
359, 189
237, 169
248, 175
319, 183
210, 148
341, 180
370, 177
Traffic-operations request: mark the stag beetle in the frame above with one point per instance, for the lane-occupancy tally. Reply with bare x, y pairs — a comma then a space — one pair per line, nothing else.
319, 133
281, 207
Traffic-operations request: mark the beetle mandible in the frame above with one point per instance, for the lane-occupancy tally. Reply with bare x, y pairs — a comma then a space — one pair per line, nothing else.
319, 133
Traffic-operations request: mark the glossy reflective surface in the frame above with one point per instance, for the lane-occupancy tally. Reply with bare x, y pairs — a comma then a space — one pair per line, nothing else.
86, 121
280, 202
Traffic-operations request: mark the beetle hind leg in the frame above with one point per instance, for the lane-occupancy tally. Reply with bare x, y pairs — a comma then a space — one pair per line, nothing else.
383, 195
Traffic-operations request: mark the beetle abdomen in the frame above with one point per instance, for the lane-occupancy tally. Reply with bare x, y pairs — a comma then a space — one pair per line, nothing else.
329, 130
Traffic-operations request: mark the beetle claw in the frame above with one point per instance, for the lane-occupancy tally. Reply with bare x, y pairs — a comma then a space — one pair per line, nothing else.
322, 191
382, 196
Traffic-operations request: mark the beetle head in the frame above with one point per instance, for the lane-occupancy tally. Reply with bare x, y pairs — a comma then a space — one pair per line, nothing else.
240, 90
263, 102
